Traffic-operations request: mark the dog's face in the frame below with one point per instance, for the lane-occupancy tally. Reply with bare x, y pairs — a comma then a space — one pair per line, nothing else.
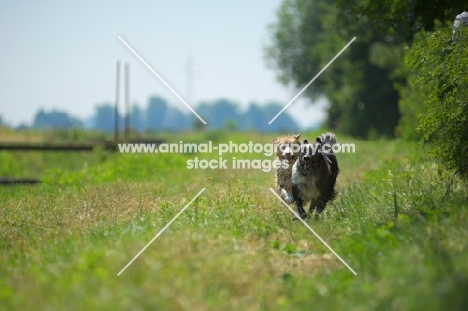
310, 153
288, 148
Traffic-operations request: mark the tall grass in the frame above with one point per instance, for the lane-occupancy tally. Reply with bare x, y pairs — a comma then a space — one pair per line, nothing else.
236, 247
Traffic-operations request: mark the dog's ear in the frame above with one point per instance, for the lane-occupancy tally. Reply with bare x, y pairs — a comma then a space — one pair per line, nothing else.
297, 136
305, 141
275, 141
318, 140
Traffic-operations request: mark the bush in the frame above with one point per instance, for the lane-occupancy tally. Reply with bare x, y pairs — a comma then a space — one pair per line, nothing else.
440, 61
411, 106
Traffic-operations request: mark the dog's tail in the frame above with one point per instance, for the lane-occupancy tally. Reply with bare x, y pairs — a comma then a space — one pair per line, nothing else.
328, 138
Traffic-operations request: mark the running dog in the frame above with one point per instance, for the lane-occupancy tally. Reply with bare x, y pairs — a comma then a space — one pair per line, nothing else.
314, 174
287, 151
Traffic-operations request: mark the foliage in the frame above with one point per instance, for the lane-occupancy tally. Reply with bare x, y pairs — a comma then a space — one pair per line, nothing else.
104, 119
55, 119
255, 117
403, 19
159, 115
359, 84
440, 62
411, 105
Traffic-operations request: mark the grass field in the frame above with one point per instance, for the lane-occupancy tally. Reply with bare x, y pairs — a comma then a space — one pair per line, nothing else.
399, 221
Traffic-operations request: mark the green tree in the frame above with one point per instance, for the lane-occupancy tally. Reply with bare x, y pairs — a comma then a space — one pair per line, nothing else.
406, 21
137, 119
55, 119
403, 19
156, 113
104, 118
440, 60
411, 106
216, 113
360, 84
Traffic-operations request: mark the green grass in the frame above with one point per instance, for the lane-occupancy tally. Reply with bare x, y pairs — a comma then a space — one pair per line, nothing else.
399, 221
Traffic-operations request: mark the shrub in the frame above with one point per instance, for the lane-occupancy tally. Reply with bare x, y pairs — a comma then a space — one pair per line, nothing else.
440, 61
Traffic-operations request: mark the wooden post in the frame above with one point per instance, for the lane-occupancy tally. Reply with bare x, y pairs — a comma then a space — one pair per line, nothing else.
117, 100
127, 101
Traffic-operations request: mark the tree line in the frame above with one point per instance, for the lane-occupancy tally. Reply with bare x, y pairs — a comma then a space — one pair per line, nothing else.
159, 115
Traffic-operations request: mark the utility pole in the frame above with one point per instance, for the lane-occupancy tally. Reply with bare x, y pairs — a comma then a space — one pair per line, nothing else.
127, 101
117, 101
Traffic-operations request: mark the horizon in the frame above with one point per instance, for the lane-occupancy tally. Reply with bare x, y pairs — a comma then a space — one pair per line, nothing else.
86, 120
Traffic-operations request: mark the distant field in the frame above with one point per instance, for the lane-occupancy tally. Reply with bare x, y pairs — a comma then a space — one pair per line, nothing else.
399, 221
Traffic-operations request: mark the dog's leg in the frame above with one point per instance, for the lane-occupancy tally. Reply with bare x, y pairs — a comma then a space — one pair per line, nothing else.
312, 206
320, 206
286, 196
298, 200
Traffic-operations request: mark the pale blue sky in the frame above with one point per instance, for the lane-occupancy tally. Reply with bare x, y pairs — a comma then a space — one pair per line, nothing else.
62, 54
